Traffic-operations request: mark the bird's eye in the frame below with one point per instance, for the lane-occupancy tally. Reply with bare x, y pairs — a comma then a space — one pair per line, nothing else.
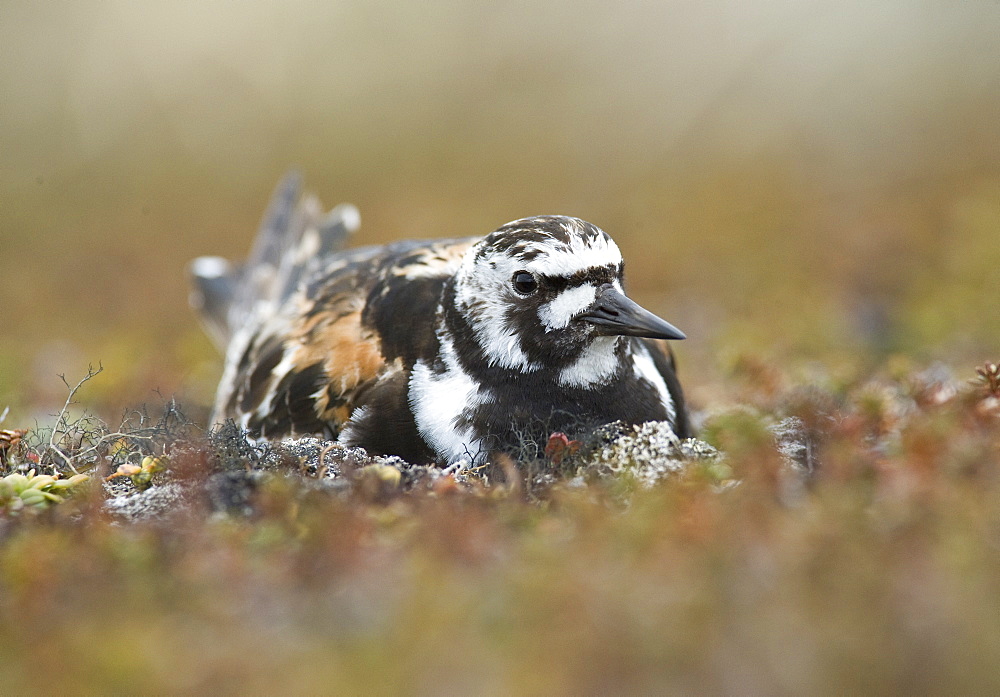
524, 283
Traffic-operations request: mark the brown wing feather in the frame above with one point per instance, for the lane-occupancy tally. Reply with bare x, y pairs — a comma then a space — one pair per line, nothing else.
349, 353
310, 363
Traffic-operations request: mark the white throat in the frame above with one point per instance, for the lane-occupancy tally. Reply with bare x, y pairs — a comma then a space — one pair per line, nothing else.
596, 365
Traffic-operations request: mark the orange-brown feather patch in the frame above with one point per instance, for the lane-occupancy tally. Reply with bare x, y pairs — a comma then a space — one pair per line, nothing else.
349, 353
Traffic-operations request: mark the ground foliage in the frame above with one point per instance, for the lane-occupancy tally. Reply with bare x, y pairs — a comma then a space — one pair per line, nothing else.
842, 536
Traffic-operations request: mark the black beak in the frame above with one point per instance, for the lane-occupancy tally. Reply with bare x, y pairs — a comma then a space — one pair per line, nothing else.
613, 314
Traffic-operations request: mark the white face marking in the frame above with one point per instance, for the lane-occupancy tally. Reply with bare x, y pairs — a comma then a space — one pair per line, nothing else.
483, 287
558, 313
581, 254
487, 289
596, 365
438, 400
646, 368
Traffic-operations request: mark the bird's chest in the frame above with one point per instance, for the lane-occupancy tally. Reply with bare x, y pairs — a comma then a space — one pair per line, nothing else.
459, 416
534, 410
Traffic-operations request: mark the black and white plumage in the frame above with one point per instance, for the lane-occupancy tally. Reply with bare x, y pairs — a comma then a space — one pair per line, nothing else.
432, 350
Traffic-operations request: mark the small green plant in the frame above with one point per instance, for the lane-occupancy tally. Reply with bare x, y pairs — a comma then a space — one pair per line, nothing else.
35, 491
141, 475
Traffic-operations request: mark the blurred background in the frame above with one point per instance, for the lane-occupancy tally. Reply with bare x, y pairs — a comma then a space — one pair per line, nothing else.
814, 182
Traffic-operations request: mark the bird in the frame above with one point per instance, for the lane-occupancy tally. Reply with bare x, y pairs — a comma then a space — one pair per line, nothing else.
437, 351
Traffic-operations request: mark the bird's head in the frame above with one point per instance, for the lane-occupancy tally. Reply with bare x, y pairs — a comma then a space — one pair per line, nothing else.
546, 293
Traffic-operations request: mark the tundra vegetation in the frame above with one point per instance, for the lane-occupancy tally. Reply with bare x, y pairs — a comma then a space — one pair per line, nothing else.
809, 190
838, 536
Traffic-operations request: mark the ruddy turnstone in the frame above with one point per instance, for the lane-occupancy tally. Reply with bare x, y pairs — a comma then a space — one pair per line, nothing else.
436, 350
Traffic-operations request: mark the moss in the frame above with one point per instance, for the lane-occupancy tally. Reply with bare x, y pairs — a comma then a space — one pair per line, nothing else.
639, 565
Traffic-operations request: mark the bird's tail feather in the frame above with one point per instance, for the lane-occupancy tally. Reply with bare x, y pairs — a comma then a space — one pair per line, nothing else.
292, 239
